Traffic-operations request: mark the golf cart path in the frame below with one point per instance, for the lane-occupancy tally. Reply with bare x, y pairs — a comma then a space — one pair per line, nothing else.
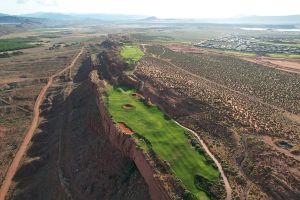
219, 166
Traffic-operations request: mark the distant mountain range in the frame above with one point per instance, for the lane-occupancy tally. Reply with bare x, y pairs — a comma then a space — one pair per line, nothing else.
103, 17
43, 17
290, 19
249, 20
7, 19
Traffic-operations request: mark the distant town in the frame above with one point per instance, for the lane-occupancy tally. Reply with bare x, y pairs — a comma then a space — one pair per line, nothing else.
252, 44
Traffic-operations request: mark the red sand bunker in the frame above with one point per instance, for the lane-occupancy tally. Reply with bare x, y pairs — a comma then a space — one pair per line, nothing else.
122, 126
128, 106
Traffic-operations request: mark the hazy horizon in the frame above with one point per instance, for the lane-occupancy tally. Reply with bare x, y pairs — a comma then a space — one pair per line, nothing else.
162, 9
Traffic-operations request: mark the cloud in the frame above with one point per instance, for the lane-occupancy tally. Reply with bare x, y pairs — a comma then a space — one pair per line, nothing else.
22, 1
48, 2
40, 2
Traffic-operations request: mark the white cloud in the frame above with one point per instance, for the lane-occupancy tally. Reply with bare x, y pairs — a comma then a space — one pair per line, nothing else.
22, 1
41, 2
160, 8
48, 2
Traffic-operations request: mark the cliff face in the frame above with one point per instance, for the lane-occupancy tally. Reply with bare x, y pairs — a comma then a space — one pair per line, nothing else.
128, 146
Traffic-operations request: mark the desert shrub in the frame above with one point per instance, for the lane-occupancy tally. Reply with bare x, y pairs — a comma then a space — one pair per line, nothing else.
206, 185
187, 195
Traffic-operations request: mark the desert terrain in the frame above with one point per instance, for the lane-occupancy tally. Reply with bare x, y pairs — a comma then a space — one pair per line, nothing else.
134, 111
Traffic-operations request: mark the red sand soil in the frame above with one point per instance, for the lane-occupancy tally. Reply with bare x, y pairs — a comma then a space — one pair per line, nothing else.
2, 130
137, 96
16, 80
36, 114
122, 126
184, 48
290, 65
128, 106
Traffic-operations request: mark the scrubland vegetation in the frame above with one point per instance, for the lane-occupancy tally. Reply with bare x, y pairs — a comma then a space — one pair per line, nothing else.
275, 87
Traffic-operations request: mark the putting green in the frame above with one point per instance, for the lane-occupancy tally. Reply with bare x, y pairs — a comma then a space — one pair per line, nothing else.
167, 138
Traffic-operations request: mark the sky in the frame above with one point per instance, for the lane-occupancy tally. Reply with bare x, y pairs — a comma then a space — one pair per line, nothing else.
158, 8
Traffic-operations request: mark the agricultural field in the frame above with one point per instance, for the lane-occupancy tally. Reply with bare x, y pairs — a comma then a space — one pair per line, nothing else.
17, 43
286, 56
239, 53
293, 43
131, 54
167, 139
272, 55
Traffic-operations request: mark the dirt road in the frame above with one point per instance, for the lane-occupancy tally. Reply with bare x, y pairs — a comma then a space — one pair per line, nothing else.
36, 112
226, 182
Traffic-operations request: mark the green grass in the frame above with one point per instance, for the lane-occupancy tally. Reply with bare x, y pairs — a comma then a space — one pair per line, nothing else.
50, 36
238, 53
131, 54
282, 55
17, 43
280, 44
168, 140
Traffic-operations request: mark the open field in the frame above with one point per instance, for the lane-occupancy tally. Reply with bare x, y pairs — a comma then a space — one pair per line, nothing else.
287, 56
35, 63
17, 43
131, 54
248, 54
239, 53
166, 137
282, 43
